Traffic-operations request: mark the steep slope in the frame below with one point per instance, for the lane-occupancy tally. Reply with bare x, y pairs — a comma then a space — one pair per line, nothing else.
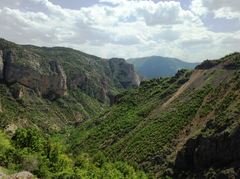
157, 66
56, 87
183, 126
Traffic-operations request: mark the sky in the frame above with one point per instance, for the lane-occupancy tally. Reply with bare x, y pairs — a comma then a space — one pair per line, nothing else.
191, 30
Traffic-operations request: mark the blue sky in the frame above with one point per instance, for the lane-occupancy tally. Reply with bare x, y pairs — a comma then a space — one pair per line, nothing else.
191, 30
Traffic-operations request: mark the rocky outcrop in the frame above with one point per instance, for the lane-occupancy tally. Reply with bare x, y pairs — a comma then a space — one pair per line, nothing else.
1, 65
207, 151
114, 73
207, 64
96, 87
124, 72
21, 175
24, 67
10, 129
52, 82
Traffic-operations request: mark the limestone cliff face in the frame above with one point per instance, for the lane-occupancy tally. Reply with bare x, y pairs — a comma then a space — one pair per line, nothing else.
54, 70
32, 71
124, 72
114, 73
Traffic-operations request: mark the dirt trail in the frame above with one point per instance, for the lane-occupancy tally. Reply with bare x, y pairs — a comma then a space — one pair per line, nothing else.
197, 123
193, 78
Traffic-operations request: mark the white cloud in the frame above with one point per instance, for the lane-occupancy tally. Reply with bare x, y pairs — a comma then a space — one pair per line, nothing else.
125, 29
226, 12
164, 13
228, 9
232, 39
169, 35
198, 8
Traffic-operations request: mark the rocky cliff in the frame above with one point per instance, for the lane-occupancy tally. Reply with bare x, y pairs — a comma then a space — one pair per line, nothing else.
32, 71
217, 151
55, 70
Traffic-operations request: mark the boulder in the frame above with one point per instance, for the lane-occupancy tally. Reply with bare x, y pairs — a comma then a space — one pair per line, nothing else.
21, 175
11, 128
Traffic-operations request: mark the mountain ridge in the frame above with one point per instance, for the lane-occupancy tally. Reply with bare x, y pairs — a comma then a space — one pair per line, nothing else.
158, 66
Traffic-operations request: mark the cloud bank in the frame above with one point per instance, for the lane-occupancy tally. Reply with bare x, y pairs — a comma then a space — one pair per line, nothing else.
121, 28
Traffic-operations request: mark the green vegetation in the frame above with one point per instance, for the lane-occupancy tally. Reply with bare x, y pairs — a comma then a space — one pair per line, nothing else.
139, 127
227, 57
118, 133
49, 115
31, 151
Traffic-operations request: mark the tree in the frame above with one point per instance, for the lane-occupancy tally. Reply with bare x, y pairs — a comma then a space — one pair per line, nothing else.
99, 159
27, 138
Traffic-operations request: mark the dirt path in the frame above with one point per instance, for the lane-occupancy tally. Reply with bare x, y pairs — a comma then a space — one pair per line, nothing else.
197, 123
193, 78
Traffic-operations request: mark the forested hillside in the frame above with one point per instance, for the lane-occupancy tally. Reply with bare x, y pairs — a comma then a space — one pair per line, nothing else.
182, 126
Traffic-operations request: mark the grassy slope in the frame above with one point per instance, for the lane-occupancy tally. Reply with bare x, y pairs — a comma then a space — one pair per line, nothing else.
157, 66
157, 118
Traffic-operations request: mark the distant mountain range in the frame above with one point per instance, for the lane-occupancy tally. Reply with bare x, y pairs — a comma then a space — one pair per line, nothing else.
157, 66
